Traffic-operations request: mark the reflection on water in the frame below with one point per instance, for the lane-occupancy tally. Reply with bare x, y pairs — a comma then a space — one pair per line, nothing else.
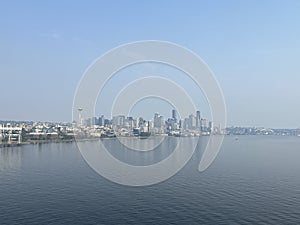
141, 144
160, 149
114, 161
10, 158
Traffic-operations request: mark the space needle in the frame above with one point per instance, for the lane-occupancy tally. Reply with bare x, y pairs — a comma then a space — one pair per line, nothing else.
80, 116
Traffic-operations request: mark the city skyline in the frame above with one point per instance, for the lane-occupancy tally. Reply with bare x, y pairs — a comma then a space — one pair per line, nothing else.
119, 125
193, 121
252, 51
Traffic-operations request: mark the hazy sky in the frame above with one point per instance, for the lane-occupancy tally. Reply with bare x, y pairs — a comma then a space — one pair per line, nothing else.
253, 48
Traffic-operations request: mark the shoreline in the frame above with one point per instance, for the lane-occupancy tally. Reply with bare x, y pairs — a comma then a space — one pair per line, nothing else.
34, 142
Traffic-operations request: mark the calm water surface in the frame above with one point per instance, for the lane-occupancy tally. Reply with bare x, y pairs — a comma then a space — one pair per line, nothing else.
254, 180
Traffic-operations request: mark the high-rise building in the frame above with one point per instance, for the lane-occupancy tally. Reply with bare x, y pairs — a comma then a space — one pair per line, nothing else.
101, 120
180, 124
171, 124
198, 118
185, 124
174, 115
119, 120
107, 122
129, 122
211, 127
203, 124
140, 122
94, 121
192, 122
158, 121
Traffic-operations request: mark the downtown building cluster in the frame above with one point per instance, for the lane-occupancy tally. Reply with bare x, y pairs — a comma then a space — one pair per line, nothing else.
22, 132
121, 125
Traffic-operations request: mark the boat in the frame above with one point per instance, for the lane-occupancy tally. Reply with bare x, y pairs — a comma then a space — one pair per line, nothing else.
144, 134
108, 135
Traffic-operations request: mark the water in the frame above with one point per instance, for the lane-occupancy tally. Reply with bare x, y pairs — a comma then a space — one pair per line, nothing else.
254, 180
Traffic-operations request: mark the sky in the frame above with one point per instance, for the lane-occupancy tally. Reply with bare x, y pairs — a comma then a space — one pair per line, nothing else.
252, 47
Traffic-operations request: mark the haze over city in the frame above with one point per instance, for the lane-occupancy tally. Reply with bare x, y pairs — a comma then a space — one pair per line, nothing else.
149, 112
253, 50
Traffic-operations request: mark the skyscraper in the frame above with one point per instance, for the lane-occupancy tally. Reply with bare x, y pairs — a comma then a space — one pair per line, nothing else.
211, 127
192, 122
198, 119
174, 115
101, 120
203, 125
119, 120
158, 121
